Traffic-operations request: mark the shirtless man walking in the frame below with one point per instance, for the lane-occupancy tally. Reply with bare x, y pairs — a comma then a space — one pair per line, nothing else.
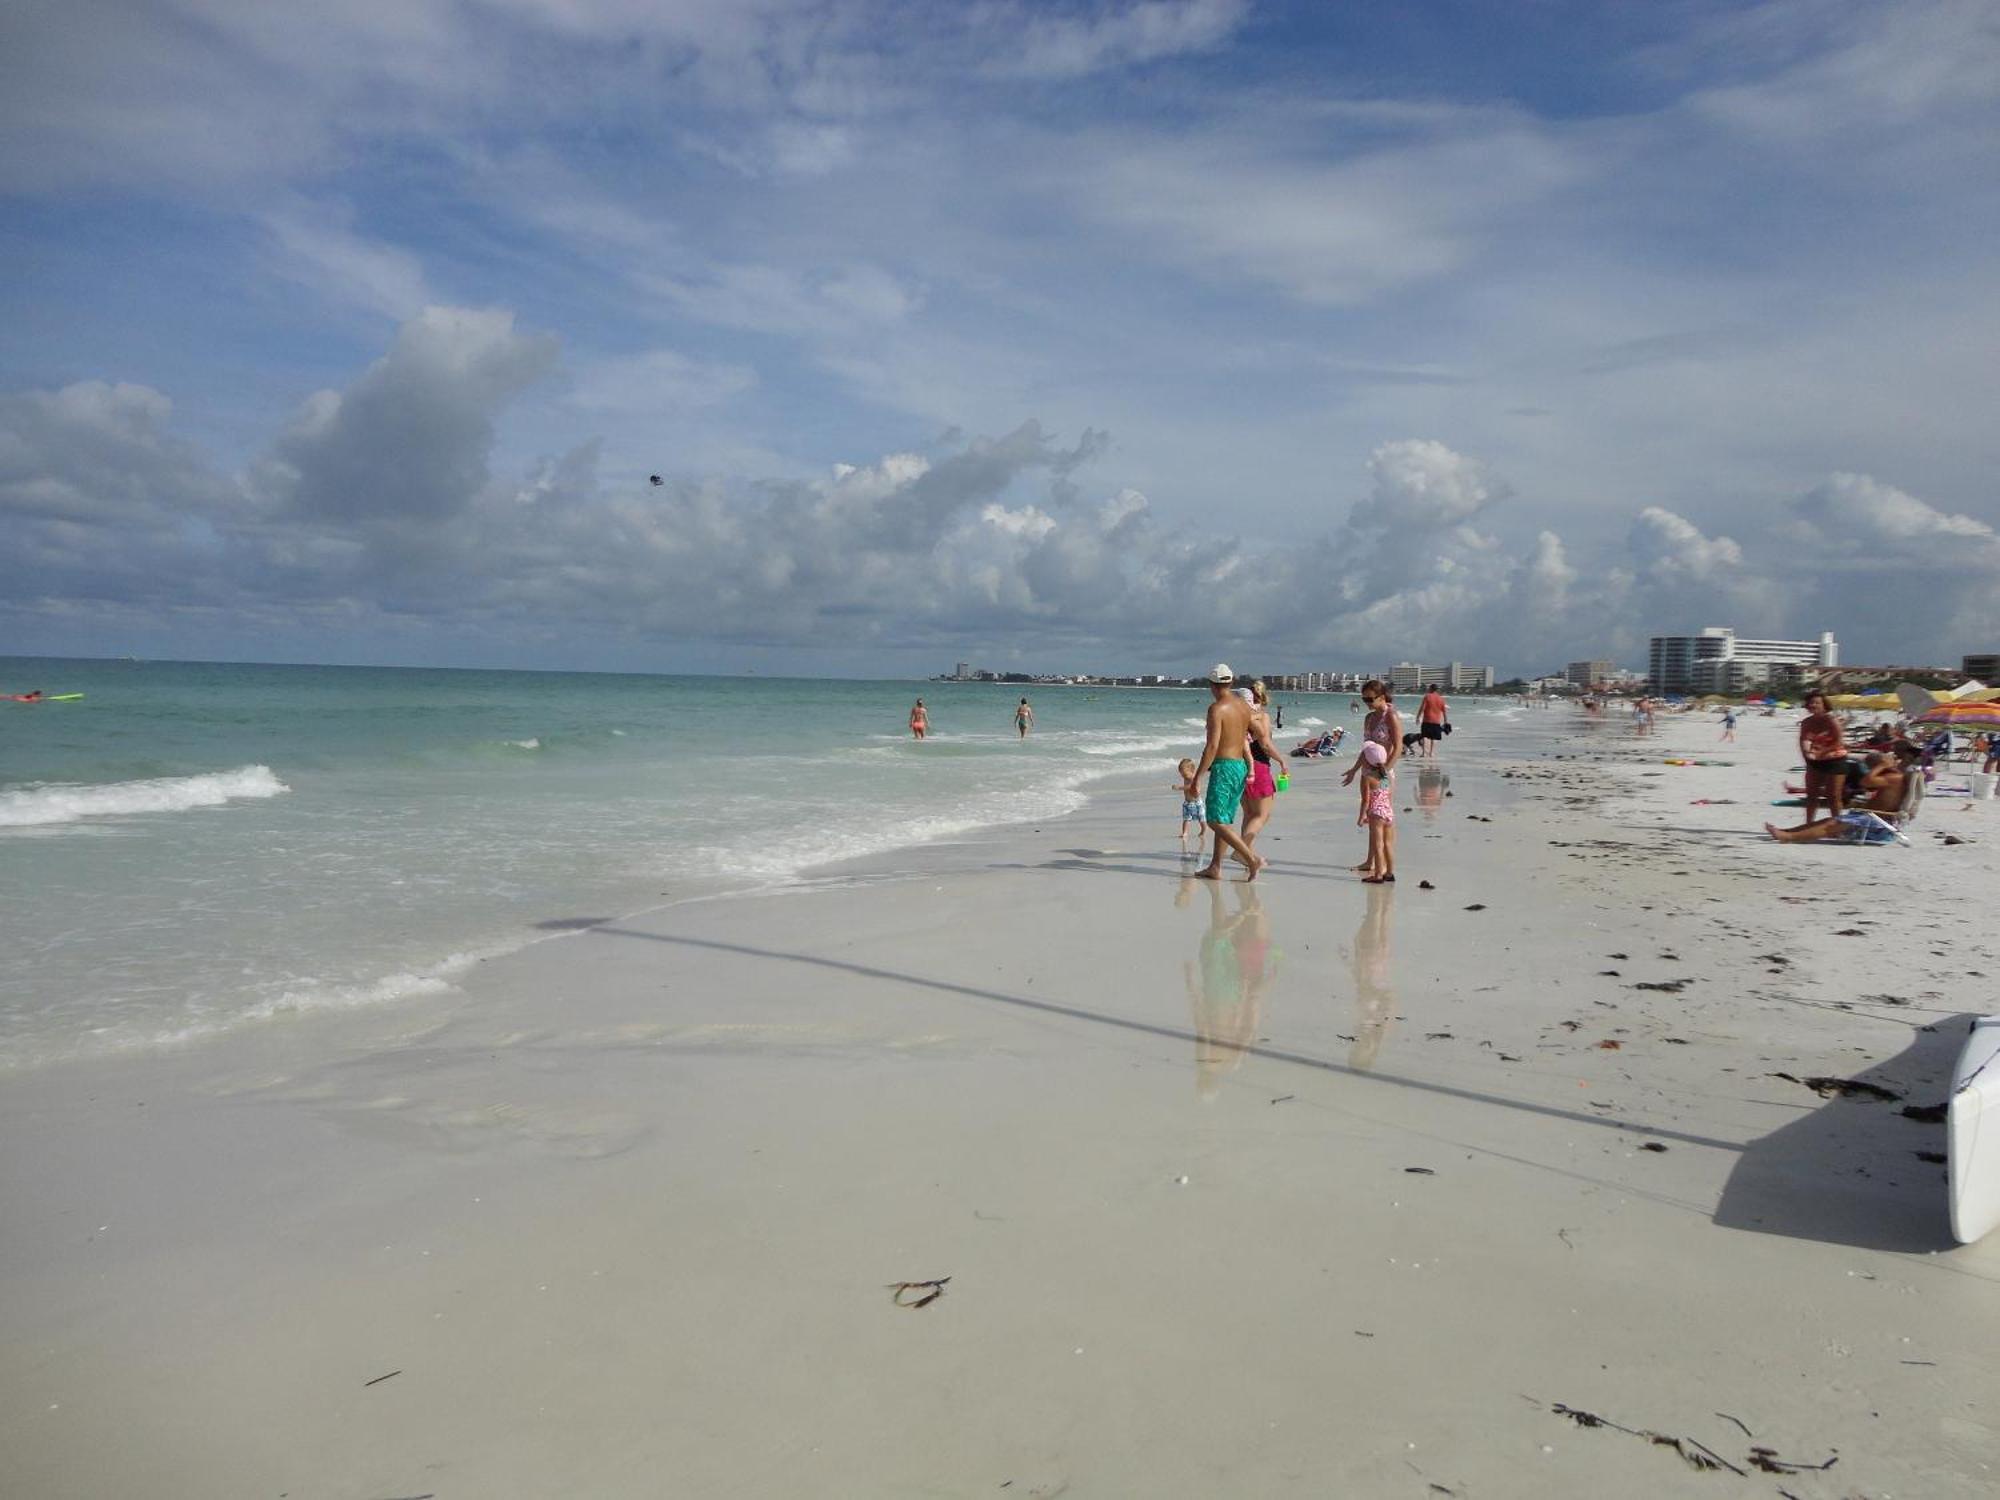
1432, 717
1226, 760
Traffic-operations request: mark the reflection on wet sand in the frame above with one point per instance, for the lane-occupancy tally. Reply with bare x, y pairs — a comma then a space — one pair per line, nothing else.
1374, 1001
1227, 981
1432, 784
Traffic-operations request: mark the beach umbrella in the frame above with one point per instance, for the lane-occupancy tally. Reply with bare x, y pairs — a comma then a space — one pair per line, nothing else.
1966, 718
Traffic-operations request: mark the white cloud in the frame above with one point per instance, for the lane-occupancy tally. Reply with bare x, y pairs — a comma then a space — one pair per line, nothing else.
1423, 484
1140, 31
1673, 549
410, 439
1855, 516
1255, 201
379, 502
315, 245
1773, 259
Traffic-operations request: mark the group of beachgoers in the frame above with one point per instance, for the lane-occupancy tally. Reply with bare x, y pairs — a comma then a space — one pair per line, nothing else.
1234, 778
1862, 789
920, 720
1242, 770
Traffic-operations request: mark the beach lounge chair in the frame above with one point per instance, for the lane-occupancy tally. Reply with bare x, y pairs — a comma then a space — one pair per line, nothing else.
1912, 803
1868, 828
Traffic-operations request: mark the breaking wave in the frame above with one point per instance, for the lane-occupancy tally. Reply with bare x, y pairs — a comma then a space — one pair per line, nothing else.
41, 803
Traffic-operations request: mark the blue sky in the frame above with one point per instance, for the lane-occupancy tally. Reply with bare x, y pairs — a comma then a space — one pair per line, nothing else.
1046, 335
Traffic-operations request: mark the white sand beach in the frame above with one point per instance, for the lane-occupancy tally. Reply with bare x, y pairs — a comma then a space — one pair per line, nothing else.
1293, 1188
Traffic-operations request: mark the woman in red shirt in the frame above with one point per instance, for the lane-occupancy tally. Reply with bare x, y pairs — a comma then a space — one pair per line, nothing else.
1823, 747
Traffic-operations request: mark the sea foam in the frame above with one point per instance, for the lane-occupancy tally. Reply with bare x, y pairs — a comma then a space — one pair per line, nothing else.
41, 803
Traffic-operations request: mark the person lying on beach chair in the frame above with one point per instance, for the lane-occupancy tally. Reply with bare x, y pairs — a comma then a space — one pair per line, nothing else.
1321, 744
1850, 827
1884, 786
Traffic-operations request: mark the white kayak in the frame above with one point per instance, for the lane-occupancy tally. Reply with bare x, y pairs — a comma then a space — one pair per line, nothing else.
1972, 1140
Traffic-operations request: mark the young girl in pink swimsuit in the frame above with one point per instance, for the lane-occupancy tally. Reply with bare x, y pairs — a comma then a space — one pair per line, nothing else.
1379, 799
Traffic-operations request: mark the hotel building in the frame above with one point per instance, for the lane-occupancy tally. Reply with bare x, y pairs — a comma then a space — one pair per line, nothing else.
1720, 661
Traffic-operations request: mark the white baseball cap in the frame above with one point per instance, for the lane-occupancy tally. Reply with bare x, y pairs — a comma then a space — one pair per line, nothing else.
1220, 673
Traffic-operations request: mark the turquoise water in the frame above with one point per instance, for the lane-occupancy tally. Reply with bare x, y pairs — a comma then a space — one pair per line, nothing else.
195, 847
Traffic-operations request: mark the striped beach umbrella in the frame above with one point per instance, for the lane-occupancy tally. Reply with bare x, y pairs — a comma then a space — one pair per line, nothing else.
1964, 717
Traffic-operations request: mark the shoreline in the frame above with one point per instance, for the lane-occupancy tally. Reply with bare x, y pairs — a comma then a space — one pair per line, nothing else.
1218, 1175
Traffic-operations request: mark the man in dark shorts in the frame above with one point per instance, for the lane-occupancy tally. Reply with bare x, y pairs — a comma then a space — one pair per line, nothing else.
1432, 715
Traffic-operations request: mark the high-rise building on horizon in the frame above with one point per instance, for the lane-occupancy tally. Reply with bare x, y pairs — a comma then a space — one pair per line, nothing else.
1453, 677
1720, 661
1985, 666
1588, 674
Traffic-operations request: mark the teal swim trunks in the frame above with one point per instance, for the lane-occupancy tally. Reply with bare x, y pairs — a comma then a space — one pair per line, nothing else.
1225, 789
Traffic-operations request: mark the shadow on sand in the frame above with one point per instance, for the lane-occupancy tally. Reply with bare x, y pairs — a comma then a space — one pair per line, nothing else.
1847, 1172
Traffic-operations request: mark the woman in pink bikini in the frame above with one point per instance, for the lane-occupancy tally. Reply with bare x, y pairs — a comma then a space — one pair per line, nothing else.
1262, 787
1384, 727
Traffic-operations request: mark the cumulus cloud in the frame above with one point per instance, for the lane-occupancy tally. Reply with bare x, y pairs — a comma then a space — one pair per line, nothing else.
1860, 545
1673, 550
1856, 517
1422, 484
98, 454
410, 438
99, 500
382, 501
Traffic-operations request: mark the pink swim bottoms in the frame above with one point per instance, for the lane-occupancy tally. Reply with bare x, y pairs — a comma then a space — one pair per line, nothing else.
1261, 784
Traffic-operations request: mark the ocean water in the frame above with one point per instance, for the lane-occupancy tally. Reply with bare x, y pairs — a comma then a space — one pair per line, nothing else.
197, 847
193, 848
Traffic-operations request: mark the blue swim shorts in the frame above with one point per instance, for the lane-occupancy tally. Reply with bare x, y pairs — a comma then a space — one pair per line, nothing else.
1225, 789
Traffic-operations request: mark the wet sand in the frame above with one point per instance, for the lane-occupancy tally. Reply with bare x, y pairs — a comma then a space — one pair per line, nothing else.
1303, 1187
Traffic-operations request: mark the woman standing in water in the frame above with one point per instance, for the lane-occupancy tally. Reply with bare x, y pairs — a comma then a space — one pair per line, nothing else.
1261, 788
920, 720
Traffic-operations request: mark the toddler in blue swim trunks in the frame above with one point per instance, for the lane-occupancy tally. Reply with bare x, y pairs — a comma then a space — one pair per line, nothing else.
1191, 809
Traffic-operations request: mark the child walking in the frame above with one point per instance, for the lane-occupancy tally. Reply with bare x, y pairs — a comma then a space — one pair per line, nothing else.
1191, 808
1379, 801
1728, 724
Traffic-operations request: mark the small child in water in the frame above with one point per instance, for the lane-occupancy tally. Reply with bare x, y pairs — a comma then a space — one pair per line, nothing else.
1379, 801
1191, 808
